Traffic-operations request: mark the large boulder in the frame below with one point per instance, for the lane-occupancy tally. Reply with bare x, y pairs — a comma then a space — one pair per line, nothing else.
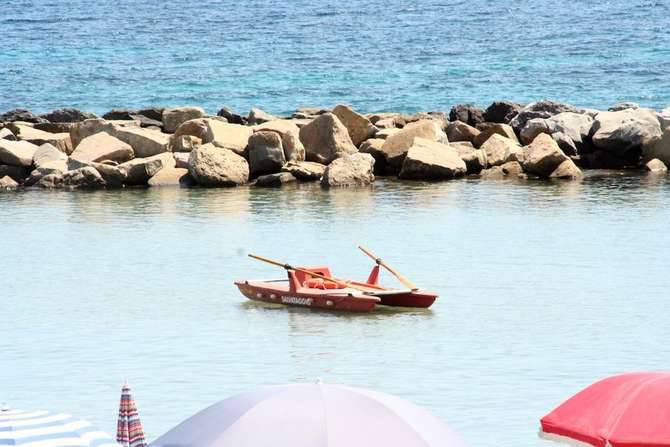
17, 153
305, 170
459, 131
542, 156
619, 132
396, 146
430, 160
6, 134
140, 170
171, 177
68, 115
359, 127
290, 137
21, 115
658, 148
92, 126
350, 170
373, 146
86, 178
38, 137
231, 117
55, 127
145, 142
114, 176
173, 118
266, 153
18, 173
501, 112
474, 159
49, 159
102, 146
466, 113
210, 165
258, 116
184, 143
227, 136
576, 126
326, 139
540, 109
567, 170
499, 150
488, 129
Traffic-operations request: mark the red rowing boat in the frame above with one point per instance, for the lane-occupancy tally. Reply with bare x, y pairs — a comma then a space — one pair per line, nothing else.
315, 287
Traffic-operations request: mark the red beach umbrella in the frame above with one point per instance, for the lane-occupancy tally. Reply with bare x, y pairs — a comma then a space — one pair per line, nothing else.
129, 431
629, 410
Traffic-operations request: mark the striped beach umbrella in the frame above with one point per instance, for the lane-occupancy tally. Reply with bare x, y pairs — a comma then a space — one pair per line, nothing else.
48, 429
129, 431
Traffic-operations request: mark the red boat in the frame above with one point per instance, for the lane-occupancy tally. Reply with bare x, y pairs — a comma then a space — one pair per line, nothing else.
315, 287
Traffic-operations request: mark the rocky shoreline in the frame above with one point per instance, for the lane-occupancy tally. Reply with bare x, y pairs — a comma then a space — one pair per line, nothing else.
183, 146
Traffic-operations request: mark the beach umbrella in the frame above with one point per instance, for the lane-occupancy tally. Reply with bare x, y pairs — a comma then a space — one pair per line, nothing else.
629, 410
311, 415
48, 429
129, 431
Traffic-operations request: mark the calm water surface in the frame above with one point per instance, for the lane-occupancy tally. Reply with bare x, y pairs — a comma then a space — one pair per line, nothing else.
545, 288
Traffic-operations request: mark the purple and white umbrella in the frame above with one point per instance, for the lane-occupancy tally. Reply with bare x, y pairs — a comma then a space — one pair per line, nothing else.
311, 415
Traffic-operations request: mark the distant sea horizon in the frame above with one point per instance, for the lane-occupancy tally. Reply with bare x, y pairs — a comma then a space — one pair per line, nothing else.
376, 56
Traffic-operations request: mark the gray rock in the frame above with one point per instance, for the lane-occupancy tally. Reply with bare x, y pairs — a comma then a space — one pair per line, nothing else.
474, 159
18, 173
171, 177
290, 137
232, 117
258, 116
21, 115
466, 113
145, 142
139, 170
430, 160
326, 139
656, 165
512, 169
17, 153
373, 146
543, 156
92, 126
501, 112
459, 131
659, 148
51, 181
181, 159
266, 153
86, 178
619, 132
102, 146
350, 170
359, 127
498, 150
184, 143
173, 118
68, 115
55, 127
6, 134
275, 180
567, 170
623, 106
305, 170
213, 166
488, 129
540, 109
396, 146
49, 159
565, 143
494, 173
39, 137
7, 182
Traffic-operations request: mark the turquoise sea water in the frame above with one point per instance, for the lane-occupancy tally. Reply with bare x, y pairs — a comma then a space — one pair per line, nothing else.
546, 287
376, 55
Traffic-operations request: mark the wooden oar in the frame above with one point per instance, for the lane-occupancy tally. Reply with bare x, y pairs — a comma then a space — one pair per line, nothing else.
406, 282
307, 272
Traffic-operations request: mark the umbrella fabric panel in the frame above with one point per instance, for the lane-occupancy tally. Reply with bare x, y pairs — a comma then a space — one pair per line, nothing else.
44, 429
629, 410
130, 432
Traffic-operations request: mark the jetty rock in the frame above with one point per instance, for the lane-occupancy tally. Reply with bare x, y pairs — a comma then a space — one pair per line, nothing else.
359, 127
85, 178
49, 159
6, 182
139, 170
499, 150
567, 170
656, 165
466, 113
171, 177
18, 173
325, 139
659, 149
460, 131
350, 170
431, 160
145, 142
501, 112
210, 165
258, 116
6, 134
38, 137
17, 153
275, 180
305, 170
231, 117
290, 137
396, 146
173, 118
540, 109
23, 115
618, 132
266, 153
68, 115
543, 156
102, 146
489, 129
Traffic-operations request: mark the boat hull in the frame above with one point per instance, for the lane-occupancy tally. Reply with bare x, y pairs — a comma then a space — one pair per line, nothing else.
419, 299
303, 297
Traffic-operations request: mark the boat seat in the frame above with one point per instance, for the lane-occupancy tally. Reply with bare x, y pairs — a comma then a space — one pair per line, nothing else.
302, 277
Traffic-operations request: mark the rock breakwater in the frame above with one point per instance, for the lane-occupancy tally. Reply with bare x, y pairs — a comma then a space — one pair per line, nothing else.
185, 147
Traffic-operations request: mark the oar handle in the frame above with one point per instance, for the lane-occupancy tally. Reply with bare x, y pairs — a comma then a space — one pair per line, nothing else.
406, 282
270, 261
